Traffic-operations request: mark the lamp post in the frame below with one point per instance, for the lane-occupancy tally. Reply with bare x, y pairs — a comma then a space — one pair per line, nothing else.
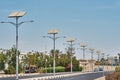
103, 54
53, 32
98, 53
92, 51
46, 65
83, 48
103, 59
71, 40
107, 61
111, 59
17, 15
119, 59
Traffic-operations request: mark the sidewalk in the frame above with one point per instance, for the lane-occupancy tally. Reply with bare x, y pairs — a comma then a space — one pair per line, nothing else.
13, 75
47, 77
42, 78
53, 77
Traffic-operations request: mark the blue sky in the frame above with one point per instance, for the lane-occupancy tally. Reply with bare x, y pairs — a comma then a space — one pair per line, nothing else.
95, 22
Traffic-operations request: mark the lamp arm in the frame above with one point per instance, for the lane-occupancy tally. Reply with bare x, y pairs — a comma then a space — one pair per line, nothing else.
24, 22
48, 37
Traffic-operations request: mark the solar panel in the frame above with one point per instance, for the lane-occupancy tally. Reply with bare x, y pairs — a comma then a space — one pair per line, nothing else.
17, 14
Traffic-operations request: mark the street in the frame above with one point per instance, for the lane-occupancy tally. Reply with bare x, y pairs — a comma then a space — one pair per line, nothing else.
89, 76
73, 76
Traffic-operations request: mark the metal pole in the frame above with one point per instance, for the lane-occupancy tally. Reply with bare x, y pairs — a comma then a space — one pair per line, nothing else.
54, 55
71, 56
98, 57
84, 59
83, 53
16, 48
103, 64
46, 65
92, 59
92, 55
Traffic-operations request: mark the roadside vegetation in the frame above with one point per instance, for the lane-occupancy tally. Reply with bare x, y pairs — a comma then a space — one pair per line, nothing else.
43, 63
115, 75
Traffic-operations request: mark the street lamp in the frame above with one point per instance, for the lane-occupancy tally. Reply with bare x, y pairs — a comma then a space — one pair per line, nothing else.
53, 32
46, 65
107, 61
17, 15
71, 40
98, 53
92, 51
83, 48
111, 59
103, 54
103, 59
119, 58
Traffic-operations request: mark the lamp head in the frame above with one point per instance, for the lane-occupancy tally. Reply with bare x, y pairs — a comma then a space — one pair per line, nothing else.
17, 14
83, 45
53, 31
91, 49
71, 40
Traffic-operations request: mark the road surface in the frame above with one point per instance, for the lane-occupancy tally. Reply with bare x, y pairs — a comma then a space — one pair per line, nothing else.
81, 76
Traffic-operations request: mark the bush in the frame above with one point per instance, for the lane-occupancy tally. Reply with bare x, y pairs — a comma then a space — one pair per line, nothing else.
60, 69
77, 68
57, 69
11, 70
6, 71
20, 69
49, 70
117, 69
42, 70
114, 76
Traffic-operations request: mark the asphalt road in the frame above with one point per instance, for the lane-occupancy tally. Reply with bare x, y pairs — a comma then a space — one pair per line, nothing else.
87, 76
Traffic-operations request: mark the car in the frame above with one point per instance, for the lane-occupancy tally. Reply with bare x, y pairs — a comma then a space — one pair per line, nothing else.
26, 71
96, 70
31, 69
100, 68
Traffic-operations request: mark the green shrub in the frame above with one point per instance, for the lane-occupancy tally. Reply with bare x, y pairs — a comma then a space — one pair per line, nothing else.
117, 69
57, 69
49, 70
77, 68
20, 68
60, 69
42, 70
11, 70
6, 71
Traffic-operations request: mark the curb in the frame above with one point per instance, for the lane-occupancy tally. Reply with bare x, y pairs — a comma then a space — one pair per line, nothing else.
13, 75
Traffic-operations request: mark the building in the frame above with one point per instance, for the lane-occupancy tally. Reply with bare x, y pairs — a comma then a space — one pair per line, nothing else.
89, 64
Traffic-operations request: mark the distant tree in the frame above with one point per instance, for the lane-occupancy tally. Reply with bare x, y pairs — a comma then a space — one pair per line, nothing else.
63, 60
37, 58
3, 59
11, 56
